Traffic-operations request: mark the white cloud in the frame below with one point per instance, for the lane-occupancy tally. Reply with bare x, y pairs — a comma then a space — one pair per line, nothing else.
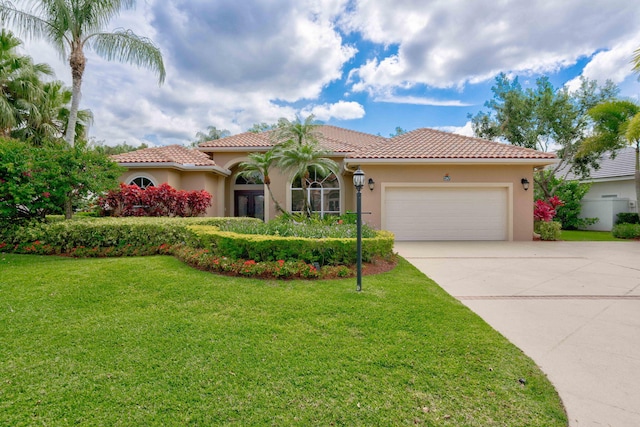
449, 44
613, 64
466, 130
341, 110
416, 100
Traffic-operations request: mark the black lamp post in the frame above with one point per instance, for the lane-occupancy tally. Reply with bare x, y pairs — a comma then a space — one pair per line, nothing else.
358, 182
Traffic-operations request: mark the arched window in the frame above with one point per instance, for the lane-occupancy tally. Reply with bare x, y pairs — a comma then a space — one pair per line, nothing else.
142, 182
323, 191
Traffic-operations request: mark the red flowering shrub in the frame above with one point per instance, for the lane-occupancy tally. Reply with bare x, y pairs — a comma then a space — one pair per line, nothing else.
163, 200
546, 210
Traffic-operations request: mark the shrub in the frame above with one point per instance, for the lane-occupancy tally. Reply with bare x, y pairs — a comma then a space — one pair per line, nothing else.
627, 218
548, 230
326, 251
164, 200
626, 231
571, 193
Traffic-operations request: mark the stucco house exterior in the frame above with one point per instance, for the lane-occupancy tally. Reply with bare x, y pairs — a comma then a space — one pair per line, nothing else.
422, 185
612, 189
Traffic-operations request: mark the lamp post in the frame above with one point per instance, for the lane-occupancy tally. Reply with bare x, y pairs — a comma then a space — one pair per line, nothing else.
358, 182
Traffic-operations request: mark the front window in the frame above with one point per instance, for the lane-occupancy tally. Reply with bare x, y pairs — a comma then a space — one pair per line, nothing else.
323, 192
141, 182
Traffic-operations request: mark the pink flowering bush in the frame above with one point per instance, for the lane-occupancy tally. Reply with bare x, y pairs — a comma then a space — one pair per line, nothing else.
543, 213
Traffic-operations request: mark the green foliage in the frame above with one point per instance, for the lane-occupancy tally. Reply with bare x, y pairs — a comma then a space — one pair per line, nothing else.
626, 231
543, 118
548, 230
35, 181
571, 193
627, 218
299, 225
325, 251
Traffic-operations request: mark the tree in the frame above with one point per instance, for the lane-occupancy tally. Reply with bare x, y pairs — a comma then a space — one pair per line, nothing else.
399, 131
36, 181
72, 26
616, 125
212, 134
545, 119
261, 163
261, 127
110, 150
297, 131
299, 159
20, 84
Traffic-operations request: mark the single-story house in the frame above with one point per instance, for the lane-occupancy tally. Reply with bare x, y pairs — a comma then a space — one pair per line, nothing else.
612, 189
421, 185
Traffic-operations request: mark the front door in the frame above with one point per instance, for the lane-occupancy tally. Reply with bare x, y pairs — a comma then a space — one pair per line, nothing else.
249, 203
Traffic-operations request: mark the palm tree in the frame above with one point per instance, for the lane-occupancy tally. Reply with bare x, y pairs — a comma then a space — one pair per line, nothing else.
50, 117
299, 159
296, 131
212, 133
20, 84
72, 26
260, 163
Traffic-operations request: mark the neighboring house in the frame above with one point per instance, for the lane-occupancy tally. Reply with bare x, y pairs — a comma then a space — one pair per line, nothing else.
422, 185
612, 189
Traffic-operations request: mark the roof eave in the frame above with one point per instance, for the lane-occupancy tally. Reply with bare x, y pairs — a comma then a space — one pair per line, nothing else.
178, 166
451, 161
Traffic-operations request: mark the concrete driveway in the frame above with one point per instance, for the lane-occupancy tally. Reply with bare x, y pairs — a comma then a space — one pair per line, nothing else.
573, 307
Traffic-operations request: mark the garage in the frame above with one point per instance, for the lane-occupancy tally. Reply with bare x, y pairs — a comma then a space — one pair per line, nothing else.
447, 212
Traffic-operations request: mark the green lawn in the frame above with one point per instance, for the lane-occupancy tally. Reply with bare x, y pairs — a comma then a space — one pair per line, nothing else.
588, 236
150, 341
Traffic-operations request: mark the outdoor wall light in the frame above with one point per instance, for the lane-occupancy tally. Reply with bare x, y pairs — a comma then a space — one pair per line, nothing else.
372, 184
525, 183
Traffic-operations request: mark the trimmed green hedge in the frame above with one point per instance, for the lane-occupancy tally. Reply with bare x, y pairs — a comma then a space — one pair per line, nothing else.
626, 231
548, 230
328, 251
111, 232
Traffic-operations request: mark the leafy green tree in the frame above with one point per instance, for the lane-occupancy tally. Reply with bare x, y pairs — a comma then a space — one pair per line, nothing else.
543, 118
110, 150
72, 26
212, 133
261, 127
571, 192
36, 181
399, 131
261, 163
616, 125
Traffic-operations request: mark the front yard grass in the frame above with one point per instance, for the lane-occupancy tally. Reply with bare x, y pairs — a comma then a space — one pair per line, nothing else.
150, 341
588, 236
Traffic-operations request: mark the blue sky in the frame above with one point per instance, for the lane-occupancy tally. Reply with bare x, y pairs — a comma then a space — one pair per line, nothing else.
361, 64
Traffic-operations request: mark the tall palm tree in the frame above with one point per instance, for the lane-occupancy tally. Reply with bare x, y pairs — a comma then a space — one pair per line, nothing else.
72, 26
20, 84
261, 163
299, 159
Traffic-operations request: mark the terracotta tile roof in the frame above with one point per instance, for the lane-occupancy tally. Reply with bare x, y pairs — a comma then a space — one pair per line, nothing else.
338, 140
433, 144
167, 154
246, 139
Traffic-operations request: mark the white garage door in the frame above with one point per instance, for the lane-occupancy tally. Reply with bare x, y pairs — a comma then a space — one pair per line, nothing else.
434, 213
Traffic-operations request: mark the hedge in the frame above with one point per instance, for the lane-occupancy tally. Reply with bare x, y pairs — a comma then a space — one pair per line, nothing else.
66, 236
626, 231
260, 248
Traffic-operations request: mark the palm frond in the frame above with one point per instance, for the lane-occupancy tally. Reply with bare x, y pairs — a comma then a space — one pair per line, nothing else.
125, 46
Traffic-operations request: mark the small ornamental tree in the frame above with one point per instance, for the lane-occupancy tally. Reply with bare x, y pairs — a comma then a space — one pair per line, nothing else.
163, 200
